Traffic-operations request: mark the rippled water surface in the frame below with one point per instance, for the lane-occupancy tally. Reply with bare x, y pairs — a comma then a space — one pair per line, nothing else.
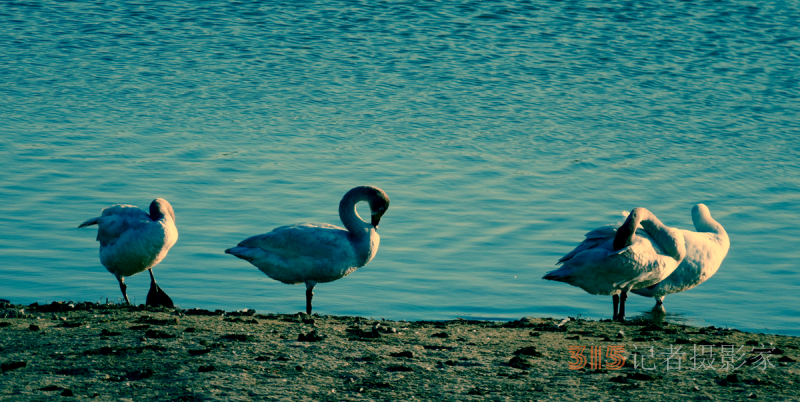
502, 131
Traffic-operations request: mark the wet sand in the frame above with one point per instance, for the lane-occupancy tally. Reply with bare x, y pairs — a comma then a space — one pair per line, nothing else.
109, 352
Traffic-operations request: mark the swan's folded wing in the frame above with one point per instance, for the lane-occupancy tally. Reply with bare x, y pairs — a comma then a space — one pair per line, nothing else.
117, 220
593, 239
307, 240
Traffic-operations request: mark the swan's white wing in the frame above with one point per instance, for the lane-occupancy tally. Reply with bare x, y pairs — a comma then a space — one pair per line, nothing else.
306, 240
116, 220
593, 239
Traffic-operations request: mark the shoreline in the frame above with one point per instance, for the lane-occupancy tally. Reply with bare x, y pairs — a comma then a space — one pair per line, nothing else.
109, 351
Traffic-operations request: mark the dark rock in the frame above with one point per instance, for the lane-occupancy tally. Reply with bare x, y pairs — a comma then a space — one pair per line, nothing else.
640, 376
156, 334
574, 338
299, 368
137, 375
106, 332
67, 392
8, 366
310, 337
403, 354
200, 311
51, 388
528, 351
262, 358
5, 324
399, 368
535, 333
681, 341
198, 352
74, 371
520, 363
139, 327
440, 335
206, 369
33, 327
732, 378
786, 359
435, 347
190, 330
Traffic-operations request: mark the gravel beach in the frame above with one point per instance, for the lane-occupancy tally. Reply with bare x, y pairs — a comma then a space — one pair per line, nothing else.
110, 352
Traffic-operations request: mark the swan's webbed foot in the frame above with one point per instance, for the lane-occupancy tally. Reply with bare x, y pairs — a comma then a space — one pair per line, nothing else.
156, 296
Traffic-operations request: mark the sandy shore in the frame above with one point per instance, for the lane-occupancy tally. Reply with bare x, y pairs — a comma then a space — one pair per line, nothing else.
111, 352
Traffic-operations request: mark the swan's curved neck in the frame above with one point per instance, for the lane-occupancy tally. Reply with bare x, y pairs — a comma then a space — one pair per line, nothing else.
703, 222
670, 240
349, 216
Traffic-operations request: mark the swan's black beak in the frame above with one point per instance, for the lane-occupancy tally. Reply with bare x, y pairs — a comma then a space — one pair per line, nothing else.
375, 220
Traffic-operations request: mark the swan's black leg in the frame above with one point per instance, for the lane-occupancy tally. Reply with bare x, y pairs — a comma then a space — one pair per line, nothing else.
309, 295
123, 287
156, 296
622, 297
615, 300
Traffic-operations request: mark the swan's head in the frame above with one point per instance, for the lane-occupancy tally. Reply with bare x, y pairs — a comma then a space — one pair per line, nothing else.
627, 231
160, 208
378, 204
703, 222
700, 213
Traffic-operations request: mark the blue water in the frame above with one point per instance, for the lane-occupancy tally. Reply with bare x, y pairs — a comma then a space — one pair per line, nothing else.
502, 131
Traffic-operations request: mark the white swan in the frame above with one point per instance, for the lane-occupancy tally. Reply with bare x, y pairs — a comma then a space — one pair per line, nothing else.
132, 241
642, 252
705, 250
313, 253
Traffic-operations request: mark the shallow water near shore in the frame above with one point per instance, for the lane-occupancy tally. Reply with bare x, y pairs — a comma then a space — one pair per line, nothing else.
502, 132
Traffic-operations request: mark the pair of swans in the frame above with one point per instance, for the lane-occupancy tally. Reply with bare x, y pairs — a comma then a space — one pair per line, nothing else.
132, 241
645, 257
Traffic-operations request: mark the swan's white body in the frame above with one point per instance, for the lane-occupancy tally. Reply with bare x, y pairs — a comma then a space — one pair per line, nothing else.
133, 241
705, 250
316, 252
313, 253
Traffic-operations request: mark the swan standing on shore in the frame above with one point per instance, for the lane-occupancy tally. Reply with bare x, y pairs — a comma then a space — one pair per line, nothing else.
705, 250
132, 241
314, 253
642, 252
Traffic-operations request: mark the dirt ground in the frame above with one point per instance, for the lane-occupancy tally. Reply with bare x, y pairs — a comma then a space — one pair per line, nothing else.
109, 352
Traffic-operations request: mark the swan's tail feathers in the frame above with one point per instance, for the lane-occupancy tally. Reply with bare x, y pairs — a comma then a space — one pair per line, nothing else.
244, 253
557, 275
90, 222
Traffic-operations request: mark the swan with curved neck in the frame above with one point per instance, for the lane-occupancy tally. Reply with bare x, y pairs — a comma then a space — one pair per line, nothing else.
613, 261
314, 253
705, 250
132, 241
